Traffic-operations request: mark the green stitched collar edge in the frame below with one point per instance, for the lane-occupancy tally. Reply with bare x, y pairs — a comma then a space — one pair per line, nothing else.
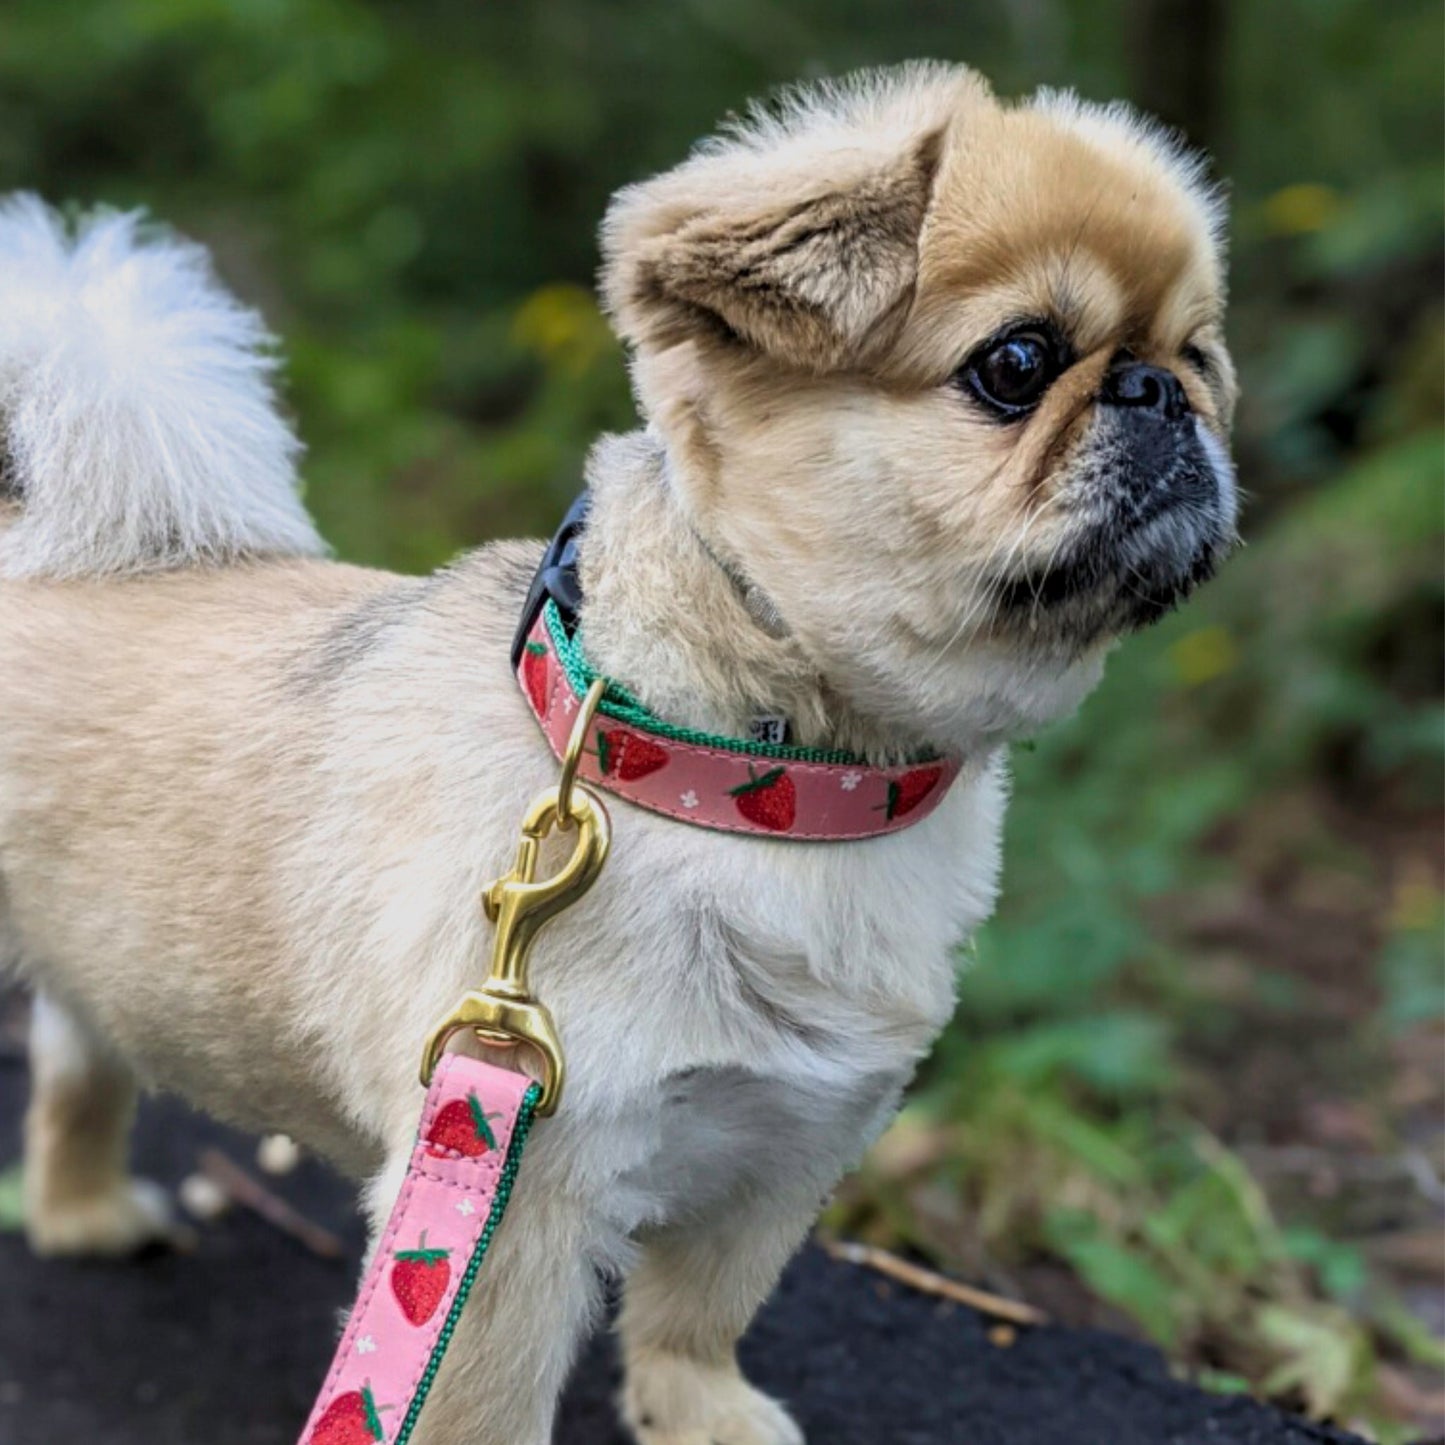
618, 703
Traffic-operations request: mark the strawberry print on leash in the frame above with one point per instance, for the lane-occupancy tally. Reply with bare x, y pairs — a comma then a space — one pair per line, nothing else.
353, 1419
463, 1127
419, 1280
430, 1255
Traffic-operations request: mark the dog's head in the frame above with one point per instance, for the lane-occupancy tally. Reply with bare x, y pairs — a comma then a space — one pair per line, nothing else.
945, 377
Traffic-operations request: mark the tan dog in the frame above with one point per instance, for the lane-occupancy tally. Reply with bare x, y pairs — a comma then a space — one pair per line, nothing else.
941, 379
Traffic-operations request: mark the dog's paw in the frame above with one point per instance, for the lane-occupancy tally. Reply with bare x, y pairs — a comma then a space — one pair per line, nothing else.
113, 1225
669, 1400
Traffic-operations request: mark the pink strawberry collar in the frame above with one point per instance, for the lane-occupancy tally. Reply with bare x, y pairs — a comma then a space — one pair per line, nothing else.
737, 786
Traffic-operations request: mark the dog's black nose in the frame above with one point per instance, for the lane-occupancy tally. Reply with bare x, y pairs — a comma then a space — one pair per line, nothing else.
1134, 383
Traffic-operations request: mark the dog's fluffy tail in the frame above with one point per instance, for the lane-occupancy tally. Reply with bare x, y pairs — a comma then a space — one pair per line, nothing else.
138, 425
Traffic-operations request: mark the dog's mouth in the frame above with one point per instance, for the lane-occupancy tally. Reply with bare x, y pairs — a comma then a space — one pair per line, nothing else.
1128, 580
1143, 542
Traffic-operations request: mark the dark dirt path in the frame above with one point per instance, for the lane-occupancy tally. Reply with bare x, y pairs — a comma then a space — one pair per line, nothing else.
225, 1347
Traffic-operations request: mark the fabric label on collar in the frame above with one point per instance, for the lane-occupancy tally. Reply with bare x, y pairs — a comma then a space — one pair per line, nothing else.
768, 728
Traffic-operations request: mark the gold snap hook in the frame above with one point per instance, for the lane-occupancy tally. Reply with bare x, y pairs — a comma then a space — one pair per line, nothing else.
503, 1011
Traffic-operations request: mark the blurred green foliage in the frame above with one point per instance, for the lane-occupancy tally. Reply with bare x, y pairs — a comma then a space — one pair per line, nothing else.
411, 193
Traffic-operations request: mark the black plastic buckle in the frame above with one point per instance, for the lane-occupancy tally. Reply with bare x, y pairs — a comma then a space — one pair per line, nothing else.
556, 577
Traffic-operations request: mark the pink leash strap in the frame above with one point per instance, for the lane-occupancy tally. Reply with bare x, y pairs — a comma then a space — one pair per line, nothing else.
458, 1182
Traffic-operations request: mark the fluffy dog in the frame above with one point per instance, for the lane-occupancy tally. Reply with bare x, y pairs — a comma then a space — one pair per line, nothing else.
940, 379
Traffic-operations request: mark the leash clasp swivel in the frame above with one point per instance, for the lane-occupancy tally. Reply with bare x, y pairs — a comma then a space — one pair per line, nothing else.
503, 1012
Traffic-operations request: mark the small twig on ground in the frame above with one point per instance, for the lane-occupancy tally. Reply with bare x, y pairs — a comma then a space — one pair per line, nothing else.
247, 1190
927, 1281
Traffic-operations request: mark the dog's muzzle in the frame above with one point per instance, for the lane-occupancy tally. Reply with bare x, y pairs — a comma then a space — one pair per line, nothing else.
1154, 504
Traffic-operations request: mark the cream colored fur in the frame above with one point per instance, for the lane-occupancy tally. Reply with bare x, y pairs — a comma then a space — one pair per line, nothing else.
246, 810
113, 341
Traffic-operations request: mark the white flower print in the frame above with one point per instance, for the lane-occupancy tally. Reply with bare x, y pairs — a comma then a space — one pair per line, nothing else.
849, 781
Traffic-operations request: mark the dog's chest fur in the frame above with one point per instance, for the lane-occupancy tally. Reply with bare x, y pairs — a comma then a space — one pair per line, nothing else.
767, 1002
711, 990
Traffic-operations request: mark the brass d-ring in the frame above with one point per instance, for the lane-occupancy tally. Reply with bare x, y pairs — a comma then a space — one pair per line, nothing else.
575, 746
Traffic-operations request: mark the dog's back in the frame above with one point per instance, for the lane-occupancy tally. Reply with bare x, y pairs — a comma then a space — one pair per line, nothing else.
139, 433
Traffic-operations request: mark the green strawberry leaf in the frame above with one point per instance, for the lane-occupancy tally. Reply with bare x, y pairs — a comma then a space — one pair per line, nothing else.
479, 1120
373, 1417
756, 784
537, 649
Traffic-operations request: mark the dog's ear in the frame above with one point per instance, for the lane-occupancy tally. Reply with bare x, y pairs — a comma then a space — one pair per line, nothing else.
804, 247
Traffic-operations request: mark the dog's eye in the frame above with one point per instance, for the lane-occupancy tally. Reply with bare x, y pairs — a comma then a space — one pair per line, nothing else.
1011, 374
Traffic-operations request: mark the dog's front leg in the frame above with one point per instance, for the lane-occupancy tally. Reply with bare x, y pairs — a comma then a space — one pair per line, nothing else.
703, 1275
688, 1301
536, 1293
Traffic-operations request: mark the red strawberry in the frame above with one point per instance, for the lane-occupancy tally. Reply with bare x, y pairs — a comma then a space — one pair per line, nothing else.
462, 1128
419, 1279
628, 756
534, 675
353, 1419
769, 800
907, 792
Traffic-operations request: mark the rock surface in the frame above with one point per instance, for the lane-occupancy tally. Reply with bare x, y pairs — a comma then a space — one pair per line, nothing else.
226, 1346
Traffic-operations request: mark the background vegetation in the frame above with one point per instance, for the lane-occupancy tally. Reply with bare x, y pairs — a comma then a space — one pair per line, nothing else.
1195, 1087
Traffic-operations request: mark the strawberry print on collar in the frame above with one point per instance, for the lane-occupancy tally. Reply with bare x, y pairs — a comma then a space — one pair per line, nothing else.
730, 784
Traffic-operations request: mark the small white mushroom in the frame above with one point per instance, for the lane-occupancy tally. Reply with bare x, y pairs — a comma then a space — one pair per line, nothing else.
202, 1198
278, 1154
